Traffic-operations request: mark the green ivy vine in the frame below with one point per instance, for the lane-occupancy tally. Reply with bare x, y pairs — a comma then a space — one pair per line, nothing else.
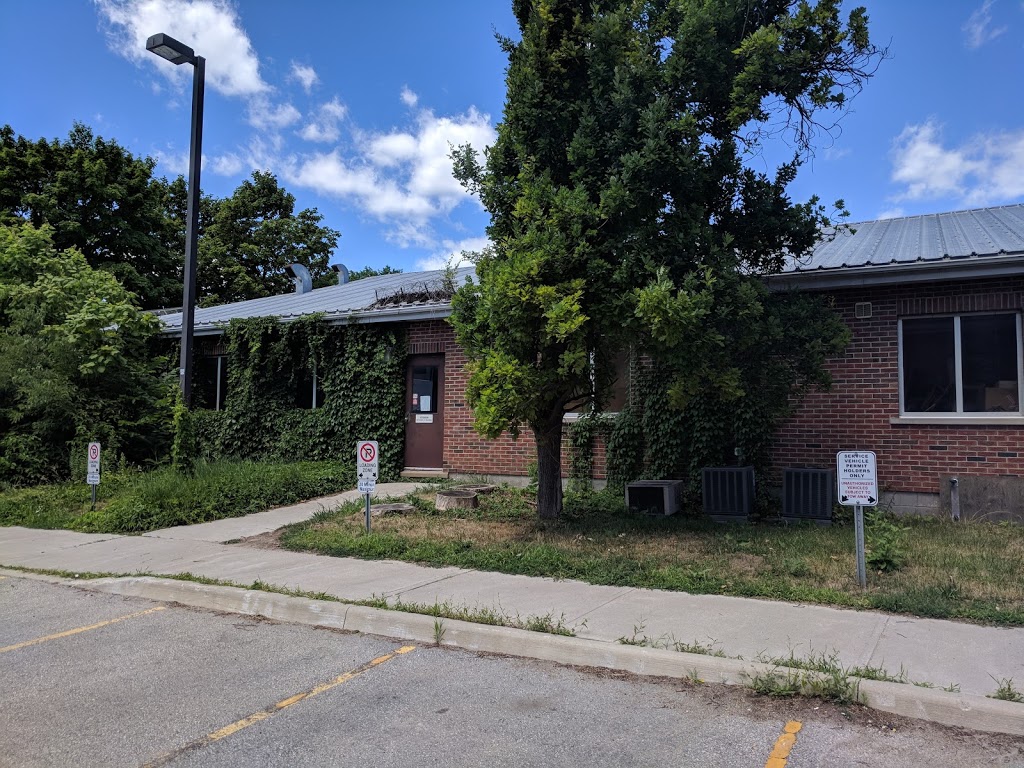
360, 370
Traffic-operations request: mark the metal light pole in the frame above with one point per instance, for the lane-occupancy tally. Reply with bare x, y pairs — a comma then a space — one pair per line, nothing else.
179, 53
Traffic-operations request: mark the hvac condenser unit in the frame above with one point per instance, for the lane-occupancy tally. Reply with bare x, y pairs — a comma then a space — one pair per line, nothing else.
728, 493
808, 494
655, 497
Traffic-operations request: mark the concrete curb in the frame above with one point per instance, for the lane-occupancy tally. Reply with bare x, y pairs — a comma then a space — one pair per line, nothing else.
955, 709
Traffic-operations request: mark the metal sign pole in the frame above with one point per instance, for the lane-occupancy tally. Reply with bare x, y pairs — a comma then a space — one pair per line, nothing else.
367, 512
93, 507
858, 524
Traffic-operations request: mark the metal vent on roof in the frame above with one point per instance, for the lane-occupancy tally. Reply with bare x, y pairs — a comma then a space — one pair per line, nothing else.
862, 310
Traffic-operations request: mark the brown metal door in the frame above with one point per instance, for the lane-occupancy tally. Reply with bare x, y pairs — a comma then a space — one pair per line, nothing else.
424, 412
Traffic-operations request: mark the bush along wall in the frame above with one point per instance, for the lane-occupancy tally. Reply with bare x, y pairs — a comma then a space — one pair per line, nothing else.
360, 370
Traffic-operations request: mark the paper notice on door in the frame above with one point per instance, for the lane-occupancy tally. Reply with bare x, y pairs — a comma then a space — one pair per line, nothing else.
424, 403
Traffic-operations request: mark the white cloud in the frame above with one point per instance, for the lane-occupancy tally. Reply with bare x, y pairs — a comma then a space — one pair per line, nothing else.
453, 253
391, 149
891, 213
262, 114
229, 164
324, 126
403, 178
172, 163
306, 75
985, 169
409, 98
211, 27
978, 27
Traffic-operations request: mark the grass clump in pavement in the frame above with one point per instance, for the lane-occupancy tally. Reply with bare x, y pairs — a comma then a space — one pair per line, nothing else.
965, 570
135, 502
1005, 691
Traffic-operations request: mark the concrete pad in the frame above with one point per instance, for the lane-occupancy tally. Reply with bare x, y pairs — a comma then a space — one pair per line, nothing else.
521, 596
944, 652
738, 626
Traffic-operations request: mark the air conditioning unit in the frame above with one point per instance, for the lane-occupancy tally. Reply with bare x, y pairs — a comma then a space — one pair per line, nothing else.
655, 497
808, 494
728, 493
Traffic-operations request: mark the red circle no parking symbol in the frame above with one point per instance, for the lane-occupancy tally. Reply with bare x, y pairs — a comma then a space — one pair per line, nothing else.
367, 452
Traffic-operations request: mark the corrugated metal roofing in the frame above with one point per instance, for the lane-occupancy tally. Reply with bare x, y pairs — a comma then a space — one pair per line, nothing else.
333, 301
914, 239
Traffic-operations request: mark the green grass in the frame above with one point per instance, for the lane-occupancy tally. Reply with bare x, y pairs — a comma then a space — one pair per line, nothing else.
968, 570
135, 502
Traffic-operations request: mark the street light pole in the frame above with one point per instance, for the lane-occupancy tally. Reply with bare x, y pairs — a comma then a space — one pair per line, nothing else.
178, 53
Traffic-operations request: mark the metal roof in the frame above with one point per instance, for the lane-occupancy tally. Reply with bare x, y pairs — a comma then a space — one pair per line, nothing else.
335, 302
935, 238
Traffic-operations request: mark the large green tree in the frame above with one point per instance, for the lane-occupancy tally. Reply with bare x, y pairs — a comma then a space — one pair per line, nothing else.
249, 238
76, 362
97, 198
622, 208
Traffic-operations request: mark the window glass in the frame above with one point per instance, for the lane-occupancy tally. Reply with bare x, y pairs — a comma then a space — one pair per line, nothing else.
619, 397
929, 375
988, 353
205, 392
309, 391
424, 389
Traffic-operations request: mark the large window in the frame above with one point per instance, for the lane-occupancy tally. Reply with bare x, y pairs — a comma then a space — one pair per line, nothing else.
966, 364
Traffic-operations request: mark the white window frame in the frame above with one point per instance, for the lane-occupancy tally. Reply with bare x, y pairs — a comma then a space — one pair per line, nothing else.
959, 416
571, 416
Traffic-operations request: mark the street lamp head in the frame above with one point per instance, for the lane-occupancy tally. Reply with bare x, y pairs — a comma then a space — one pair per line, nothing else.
167, 47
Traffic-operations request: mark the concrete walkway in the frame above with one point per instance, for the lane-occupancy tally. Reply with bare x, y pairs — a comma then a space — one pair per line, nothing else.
936, 652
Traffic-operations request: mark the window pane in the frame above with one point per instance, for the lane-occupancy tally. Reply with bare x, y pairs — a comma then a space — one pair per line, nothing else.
929, 378
619, 398
424, 389
988, 351
204, 383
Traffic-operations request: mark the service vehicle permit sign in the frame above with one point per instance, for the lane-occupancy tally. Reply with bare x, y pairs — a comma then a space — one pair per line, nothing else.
858, 480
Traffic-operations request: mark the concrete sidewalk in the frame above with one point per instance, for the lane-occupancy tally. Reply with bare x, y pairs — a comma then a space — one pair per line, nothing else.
929, 651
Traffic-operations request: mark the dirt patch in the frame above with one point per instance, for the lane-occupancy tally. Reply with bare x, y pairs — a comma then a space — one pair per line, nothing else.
270, 540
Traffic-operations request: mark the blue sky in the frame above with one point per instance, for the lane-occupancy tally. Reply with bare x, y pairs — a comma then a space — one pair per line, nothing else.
354, 109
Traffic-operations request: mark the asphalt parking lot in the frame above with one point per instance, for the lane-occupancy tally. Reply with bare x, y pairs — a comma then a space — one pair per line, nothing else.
91, 679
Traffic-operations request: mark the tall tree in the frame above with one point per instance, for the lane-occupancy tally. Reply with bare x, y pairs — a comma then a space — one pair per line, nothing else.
251, 236
97, 198
76, 361
621, 207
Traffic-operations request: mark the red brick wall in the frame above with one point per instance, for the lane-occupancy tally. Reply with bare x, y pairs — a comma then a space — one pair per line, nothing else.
856, 413
465, 451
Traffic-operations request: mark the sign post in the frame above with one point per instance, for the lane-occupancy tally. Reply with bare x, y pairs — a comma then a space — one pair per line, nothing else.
858, 488
92, 476
367, 468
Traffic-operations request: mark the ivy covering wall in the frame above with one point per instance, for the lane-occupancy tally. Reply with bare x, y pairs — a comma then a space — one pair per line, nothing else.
360, 369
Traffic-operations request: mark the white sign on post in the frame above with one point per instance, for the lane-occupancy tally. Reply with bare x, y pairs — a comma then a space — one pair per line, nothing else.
858, 480
92, 476
367, 460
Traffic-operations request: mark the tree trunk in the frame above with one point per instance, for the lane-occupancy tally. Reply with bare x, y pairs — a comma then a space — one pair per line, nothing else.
549, 468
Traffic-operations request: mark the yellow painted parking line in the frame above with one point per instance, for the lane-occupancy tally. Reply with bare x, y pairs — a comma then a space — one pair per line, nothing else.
77, 630
783, 745
256, 717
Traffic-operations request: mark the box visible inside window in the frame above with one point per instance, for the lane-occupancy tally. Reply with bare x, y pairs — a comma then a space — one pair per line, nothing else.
424, 389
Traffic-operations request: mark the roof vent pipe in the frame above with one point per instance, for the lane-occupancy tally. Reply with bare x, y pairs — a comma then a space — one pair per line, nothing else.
342, 271
301, 277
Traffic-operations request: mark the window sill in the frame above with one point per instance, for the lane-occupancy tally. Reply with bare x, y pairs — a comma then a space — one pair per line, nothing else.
1010, 420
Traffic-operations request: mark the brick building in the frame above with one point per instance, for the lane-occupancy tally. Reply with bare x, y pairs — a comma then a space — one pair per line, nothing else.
931, 380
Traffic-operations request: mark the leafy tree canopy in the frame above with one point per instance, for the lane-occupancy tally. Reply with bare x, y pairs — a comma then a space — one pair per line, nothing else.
97, 198
76, 361
621, 207
250, 237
